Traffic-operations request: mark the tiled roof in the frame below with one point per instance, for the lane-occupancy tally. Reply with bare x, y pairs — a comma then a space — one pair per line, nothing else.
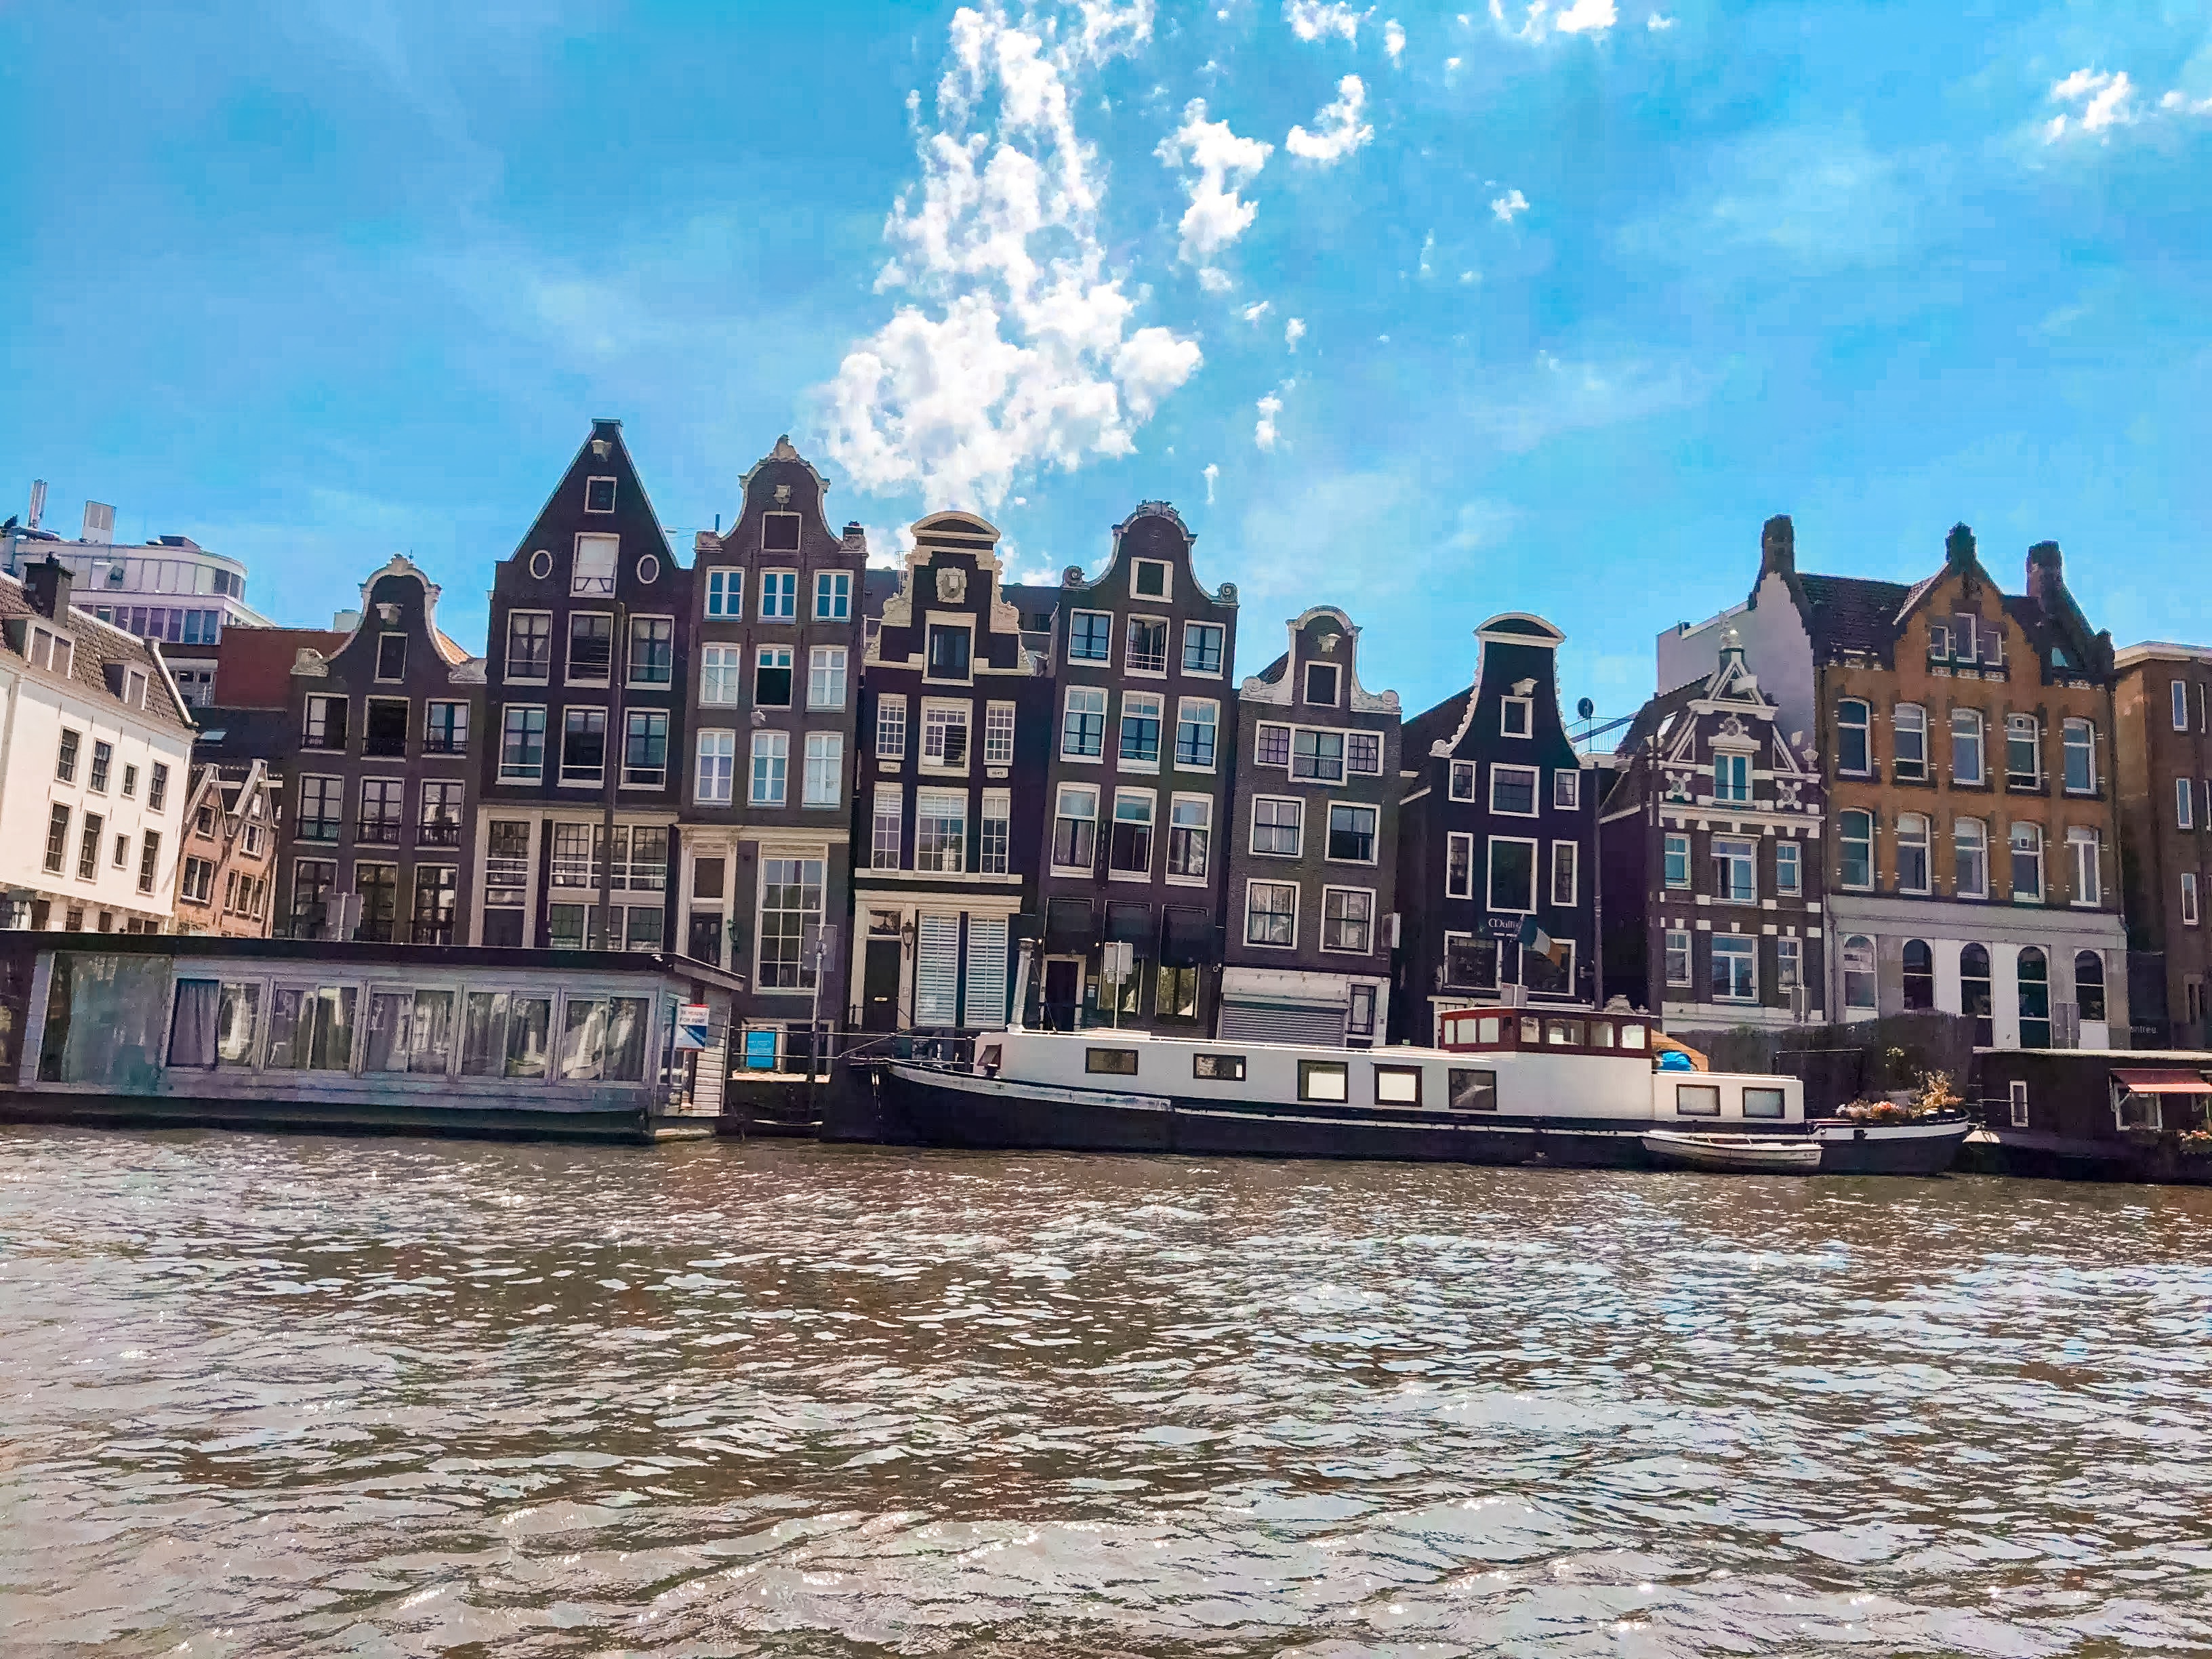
1434, 725
253, 665
1852, 613
99, 645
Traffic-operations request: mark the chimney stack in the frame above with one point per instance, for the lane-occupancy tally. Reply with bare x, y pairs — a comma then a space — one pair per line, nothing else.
1778, 547
2046, 574
46, 585
1959, 548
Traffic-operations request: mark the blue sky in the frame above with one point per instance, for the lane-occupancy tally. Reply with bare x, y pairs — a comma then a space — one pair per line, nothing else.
1581, 292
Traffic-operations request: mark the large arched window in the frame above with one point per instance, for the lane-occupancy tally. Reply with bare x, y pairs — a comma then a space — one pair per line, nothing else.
1974, 992
1858, 972
1854, 753
2089, 984
1919, 977
1857, 831
2034, 998
1911, 853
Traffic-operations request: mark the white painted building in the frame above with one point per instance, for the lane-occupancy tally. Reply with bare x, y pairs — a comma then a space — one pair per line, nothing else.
95, 752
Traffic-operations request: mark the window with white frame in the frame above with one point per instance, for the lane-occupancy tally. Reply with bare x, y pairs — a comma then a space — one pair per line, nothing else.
1675, 860
1858, 972
994, 837
1678, 955
1271, 913
1736, 870
1271, 744
943, 735
1147, 648
1075, 828
940, 829
2078, 745
1149, 577
1351, 830
1909, 721
1516, 716
1322, 682
1278, 825
592, 570
772, 677
2180, 689
721, 674
778, 596
1140, 730
999, 734
726, 592
890, 728
2185, 804
1789, 870
1459, 865
1130, 851
1363, 753
1082, 726
1854, 753
825, 768
1970, 846
1317, 757
1566, 788
2083, 848
1190, 833
2027, 862
1735, 968
886, 827
716, 772
1967, 746
1731, 778
771, 766
1348, 920
1854, 833
521, 743
2023, 751
2188, 898
1913, 861
1512, 874
1513, 791
948, 652
1461, 787
1201, 648
833, 595
790, 904
1197, 720
1788, 964
1091, 636
825, 676
1565, 872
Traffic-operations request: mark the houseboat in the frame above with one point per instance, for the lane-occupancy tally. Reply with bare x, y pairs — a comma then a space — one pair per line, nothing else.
1505, 1086
2093, 1114
155, 1030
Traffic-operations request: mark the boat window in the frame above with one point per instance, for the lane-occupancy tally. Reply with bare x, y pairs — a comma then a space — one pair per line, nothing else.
238, 1024
1697, 1099
1456, 1030
1600, 1034
603, 1039
529, 1035
1111, 1062
1487, 1031
193, 1026
1473, 1090
1218, 1068
1324, 1079
2140, 1111
1530, 1032
990, 1056
409, 1031
1763, 1102
1563, 1033
1631, 1036
312, 1029
1397, 1086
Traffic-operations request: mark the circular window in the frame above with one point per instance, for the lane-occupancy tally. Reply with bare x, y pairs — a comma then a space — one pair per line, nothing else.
541, 563
648, 571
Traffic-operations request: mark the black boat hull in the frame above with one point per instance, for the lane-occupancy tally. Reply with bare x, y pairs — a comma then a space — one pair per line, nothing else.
954, 1109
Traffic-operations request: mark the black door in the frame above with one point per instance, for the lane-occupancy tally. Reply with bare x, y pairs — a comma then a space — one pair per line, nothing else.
879, 986
1062, 978
707, 938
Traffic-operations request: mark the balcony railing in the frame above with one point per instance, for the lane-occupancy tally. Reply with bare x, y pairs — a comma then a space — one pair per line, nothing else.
379, 832
507, 870
318, 829
443, 833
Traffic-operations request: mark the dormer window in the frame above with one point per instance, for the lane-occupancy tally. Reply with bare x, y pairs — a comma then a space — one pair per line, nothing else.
134, 688
779, 532
598, 494
1320, 684
392, 656
1148, 579
50, 650
1517, 716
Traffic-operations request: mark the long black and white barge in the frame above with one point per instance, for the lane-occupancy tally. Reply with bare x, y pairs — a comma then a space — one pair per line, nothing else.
1506, 1086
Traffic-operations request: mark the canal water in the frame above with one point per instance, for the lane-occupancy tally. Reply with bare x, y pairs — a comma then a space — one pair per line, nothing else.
266, 1396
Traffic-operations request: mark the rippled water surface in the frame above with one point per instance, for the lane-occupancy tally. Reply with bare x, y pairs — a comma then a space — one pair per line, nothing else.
268, 1395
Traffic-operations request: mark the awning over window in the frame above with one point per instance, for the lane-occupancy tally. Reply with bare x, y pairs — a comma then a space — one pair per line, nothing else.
1188, 938
2163, 1080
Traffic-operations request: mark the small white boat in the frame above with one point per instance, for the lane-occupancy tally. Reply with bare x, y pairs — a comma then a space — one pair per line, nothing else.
1733, 1154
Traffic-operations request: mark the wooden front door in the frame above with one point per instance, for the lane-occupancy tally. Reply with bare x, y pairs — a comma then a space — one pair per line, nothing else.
1063, 993
879, 986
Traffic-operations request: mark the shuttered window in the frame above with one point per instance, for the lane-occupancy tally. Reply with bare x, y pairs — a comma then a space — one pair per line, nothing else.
937, 972
987, 972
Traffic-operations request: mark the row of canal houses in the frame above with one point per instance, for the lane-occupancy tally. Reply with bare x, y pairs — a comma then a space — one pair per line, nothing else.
865, 792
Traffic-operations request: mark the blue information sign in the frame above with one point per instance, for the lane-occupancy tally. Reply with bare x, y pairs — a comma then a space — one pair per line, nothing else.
760, 1050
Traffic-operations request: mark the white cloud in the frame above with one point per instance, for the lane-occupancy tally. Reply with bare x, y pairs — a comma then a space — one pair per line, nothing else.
1014, 348
1585, 16
1214, 280
1264, 433
1577, 17
1394, 40
2107, 101
1212, 472
1311, 20
1257, 309
1221, 164
1338, 129
1510, 206
1657, 21
1293, 332
2180, 103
